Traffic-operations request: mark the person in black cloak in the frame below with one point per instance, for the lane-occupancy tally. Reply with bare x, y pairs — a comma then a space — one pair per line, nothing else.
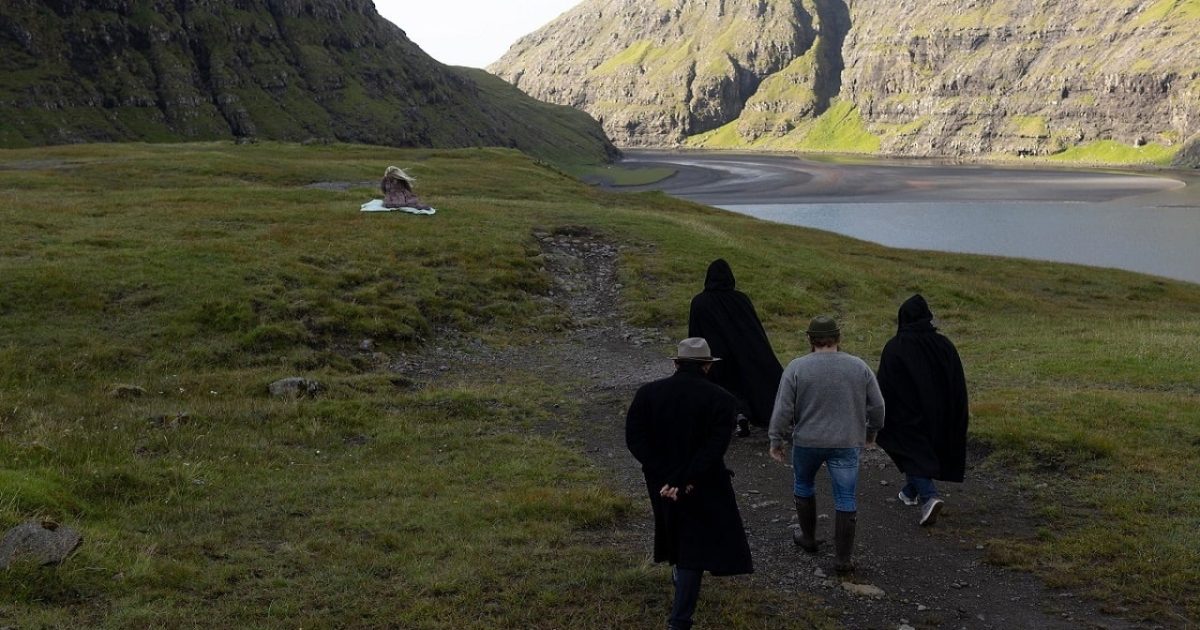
727, 319
925, 390
679, 428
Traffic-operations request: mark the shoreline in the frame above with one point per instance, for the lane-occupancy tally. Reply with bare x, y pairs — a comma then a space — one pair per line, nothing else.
719, 178
1131, 221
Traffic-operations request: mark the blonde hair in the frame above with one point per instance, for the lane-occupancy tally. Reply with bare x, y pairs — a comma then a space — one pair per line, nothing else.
395, 172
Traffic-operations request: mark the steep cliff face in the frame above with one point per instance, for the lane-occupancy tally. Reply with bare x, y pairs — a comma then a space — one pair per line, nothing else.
1024, 76
1189, 155
656, 72
114, 70
1111, 79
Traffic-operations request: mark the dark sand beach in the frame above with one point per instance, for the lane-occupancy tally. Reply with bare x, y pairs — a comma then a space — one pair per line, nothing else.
728, 178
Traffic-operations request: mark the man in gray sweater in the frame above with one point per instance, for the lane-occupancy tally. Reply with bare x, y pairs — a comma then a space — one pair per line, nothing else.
829, 407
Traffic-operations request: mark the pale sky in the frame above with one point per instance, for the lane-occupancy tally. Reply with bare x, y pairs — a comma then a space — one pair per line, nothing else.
470, 32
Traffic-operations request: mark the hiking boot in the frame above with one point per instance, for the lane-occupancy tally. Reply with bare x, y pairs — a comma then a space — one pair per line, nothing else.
805, 536
743, 426
907, 500
930, 511
843, 541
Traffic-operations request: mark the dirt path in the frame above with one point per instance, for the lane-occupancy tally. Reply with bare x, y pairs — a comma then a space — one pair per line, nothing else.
928, 577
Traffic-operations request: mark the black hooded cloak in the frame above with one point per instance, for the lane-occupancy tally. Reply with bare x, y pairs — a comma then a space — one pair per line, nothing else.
725, 317
925, 390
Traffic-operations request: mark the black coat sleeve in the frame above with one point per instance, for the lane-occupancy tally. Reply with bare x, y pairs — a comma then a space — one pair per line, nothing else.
637, 433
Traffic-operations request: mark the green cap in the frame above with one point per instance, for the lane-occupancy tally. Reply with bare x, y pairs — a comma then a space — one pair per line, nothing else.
823, 326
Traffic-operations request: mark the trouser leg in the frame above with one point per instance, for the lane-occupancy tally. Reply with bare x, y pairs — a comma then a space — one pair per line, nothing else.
843, 473
687, 594
923, 487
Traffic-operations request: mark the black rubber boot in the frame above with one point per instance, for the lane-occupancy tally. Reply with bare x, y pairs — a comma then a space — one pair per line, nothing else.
844, 526
805, 536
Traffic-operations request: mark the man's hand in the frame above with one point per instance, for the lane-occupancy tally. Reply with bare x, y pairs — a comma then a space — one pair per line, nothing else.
777, 453
669, 492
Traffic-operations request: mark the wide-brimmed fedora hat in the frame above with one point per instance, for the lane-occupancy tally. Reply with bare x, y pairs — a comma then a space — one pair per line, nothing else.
823, 326
694, 349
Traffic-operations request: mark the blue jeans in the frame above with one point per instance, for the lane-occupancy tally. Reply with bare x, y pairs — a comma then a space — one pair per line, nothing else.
687, 593
920, 487
843, 472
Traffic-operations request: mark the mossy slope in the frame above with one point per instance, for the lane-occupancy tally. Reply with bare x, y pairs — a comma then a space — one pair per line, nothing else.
322, 70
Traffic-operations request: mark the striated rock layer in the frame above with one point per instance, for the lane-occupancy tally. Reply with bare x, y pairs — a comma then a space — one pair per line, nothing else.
161, 70
1110, 78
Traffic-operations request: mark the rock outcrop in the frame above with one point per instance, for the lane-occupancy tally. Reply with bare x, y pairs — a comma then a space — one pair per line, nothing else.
159, 70
295, 387
42, 542
656, 72
1094, 78
1189, 155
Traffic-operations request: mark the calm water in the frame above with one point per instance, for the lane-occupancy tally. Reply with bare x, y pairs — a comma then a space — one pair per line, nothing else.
1149, 223
1163, 241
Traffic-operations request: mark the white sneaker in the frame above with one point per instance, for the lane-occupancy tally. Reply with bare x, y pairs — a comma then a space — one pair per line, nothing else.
930, 512
907, 500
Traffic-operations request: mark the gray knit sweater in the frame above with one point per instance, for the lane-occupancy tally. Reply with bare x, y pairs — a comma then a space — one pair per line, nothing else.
826, 400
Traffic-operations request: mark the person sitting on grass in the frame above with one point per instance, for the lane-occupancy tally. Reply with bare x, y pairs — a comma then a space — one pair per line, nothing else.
398, 190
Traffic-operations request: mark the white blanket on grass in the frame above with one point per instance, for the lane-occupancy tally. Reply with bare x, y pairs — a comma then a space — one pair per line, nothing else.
376, 205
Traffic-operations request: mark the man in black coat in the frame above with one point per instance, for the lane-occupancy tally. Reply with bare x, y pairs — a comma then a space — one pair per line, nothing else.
726, 318
925, 390
678, 428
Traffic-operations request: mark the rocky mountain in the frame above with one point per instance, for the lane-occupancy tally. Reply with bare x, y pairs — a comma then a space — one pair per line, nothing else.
1103, 80
169, 70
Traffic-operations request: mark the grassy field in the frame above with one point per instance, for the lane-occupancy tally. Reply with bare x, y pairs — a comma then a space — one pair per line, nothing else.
203, 272
620, 175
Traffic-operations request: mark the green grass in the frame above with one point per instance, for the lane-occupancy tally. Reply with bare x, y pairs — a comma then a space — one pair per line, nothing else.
616, 175
724, 137
633, 55
203, 272
840, 129
1112, 152
1030, 126
1169, 9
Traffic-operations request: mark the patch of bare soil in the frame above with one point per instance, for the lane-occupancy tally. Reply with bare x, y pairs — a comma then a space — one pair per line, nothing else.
933, 577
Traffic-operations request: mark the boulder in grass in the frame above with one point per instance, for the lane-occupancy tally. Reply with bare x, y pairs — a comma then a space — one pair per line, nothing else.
170, 421
44, 542
126, 392
295, 387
